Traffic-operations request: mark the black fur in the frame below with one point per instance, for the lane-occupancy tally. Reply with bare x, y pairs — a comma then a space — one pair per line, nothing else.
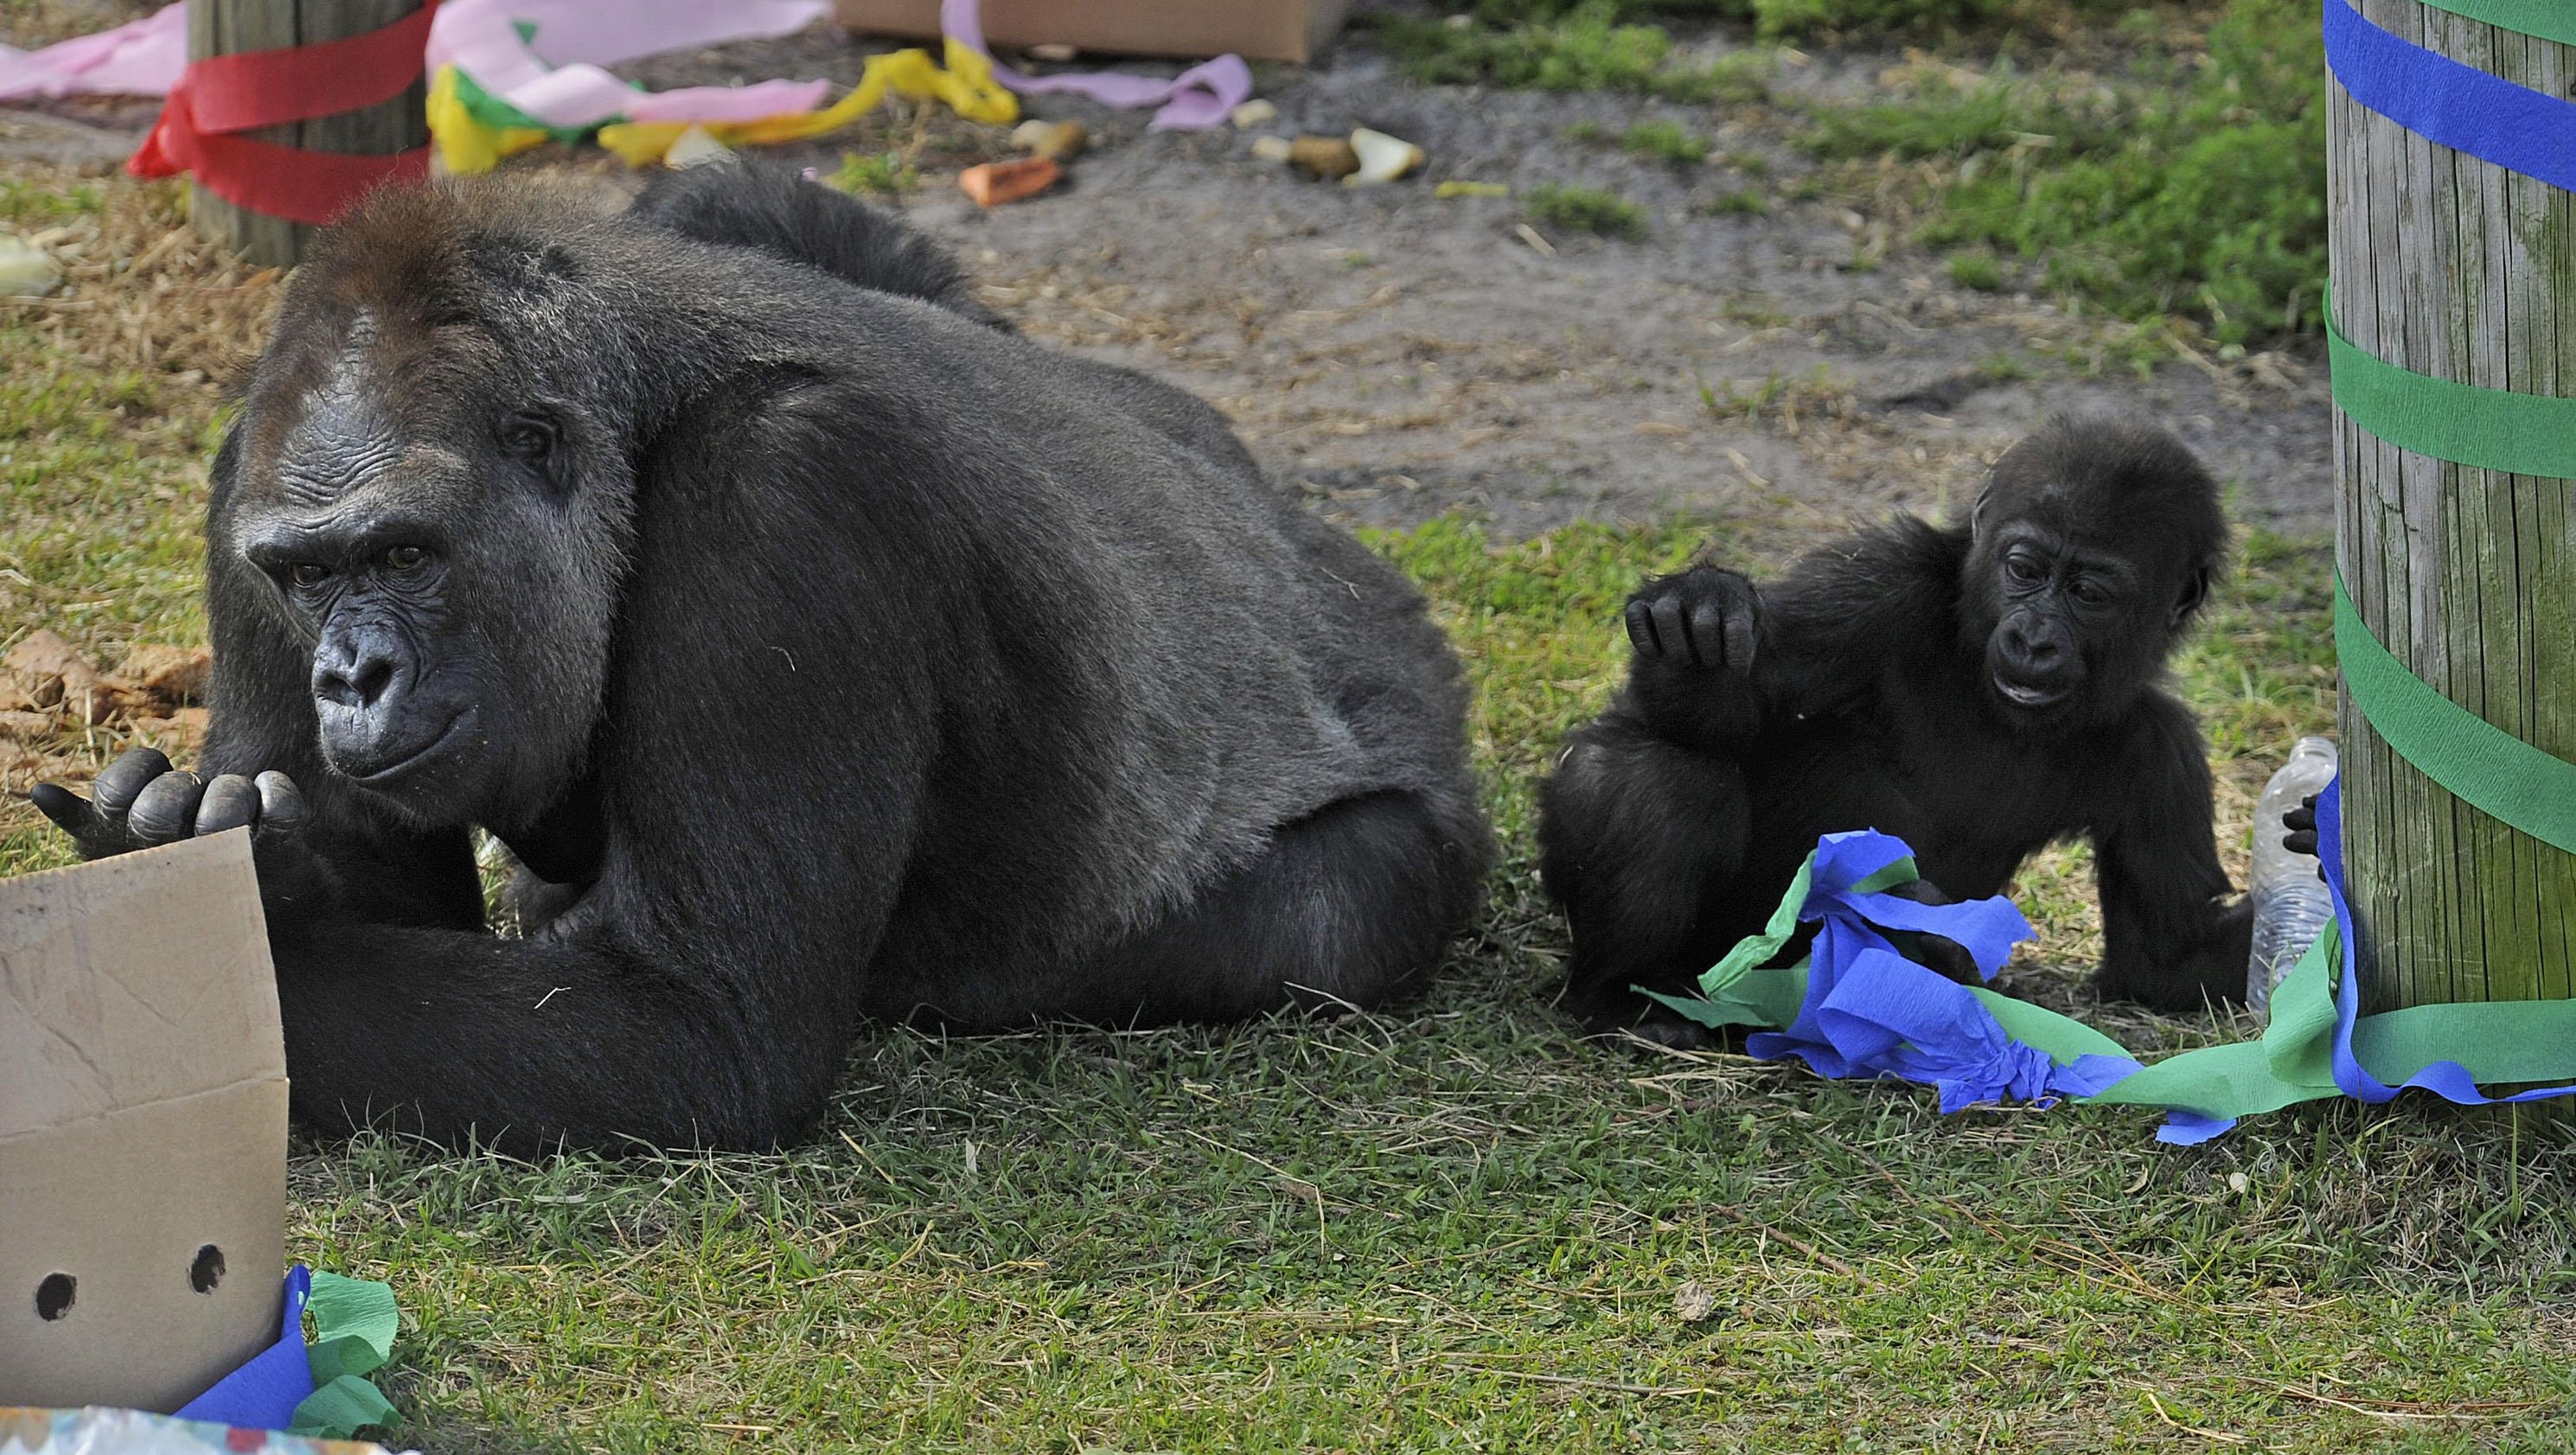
1978, 690
752, 204
826, 655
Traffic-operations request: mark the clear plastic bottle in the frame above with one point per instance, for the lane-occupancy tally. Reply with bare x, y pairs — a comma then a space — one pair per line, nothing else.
2291, 906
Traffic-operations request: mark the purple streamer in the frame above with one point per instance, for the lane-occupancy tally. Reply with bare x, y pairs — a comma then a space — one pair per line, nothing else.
263, 1394
1870, 1012
1195, 100
2448, 1080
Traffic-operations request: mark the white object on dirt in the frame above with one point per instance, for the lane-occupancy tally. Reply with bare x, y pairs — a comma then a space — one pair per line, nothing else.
1273, 148
26, 270
1383, 158
1254, 113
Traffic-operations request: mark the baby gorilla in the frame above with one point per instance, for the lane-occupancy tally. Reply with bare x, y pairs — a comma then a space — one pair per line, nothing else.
1978, 690
828, 651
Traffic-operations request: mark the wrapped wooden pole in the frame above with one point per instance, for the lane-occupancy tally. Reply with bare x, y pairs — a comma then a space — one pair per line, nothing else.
2457, 268
231, 27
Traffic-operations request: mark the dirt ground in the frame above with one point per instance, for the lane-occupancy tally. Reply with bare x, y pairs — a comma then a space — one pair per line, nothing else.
1397, 355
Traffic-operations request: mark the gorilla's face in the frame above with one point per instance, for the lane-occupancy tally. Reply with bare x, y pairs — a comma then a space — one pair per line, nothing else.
2073, 626
413, 497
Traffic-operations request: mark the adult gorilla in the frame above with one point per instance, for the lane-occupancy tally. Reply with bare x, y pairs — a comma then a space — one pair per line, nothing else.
1978, 690
836, 654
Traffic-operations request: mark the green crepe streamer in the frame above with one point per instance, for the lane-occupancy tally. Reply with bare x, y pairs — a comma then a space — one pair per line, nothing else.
2477, 762
354, 1323
2467, 424
1734, 993
2547, 19
500, 115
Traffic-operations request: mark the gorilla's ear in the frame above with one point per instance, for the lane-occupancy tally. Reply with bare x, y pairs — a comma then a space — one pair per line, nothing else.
2195, 590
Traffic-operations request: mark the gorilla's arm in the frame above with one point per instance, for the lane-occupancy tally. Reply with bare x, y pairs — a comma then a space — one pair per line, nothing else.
2169, 939
703, 991
1719, 660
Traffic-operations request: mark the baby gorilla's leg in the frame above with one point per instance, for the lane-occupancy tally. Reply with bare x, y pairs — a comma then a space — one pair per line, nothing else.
1636, 836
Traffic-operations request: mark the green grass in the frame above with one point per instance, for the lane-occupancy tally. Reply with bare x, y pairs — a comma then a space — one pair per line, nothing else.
1664, 141
1742, 202
1587, 209
1977, 270
1782, 17
1449, 1226
2176, 189
1581, 47
875, 174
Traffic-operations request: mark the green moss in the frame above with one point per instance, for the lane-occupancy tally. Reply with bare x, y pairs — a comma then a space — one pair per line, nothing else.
1587, 209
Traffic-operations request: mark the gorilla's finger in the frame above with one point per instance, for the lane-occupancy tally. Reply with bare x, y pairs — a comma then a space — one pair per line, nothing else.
1668, 626
70, 812
1739, 632
1707, 634
165, 808
1641, 627
230, 803
125, 779
281, 803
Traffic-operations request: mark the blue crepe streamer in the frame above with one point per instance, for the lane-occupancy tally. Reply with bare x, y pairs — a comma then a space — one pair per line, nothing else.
1870, 1012
2446, 1079
2442, 100
263, 1394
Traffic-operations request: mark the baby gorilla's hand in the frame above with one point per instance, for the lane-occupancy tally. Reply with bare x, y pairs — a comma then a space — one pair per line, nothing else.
2302, 825
141, 801
1704, 617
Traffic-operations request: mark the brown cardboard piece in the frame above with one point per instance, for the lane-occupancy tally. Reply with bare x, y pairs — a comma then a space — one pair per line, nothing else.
1257, 30
142, 1123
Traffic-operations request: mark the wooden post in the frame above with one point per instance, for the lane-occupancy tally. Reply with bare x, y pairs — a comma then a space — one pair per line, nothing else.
2454, 267
229, 27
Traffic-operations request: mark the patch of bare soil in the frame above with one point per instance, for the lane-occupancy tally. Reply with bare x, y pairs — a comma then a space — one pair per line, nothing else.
1395, 355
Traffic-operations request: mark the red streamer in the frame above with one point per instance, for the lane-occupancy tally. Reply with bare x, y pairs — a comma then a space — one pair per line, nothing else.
220, 96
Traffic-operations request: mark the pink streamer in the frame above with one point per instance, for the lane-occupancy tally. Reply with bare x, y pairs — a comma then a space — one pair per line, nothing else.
557, 77
140, 58
1195, 100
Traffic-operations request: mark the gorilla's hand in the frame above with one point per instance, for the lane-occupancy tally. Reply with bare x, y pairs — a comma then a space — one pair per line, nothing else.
2302, 836
141, 801
2302, 825
1704, 617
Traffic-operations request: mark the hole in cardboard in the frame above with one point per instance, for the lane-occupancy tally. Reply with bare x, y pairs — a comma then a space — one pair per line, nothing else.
54, 1296
208, 1270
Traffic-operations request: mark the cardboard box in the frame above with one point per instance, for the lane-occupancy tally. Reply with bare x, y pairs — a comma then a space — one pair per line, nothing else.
142, 1128
1257, 30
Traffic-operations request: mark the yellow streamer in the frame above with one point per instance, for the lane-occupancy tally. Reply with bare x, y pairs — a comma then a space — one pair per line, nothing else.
966, 87
465, 145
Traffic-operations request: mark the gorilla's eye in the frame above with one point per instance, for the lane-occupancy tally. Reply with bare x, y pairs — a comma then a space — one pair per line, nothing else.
2023, 569
405, 558
308, 574
2092, 593
531, 437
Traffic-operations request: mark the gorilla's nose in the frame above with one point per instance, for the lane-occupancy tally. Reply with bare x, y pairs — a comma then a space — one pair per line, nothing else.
357, 683
2038, 652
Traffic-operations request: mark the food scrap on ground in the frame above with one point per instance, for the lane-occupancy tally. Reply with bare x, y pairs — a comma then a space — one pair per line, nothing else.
993, 183
1382, 158
1059, 141
1326, 157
